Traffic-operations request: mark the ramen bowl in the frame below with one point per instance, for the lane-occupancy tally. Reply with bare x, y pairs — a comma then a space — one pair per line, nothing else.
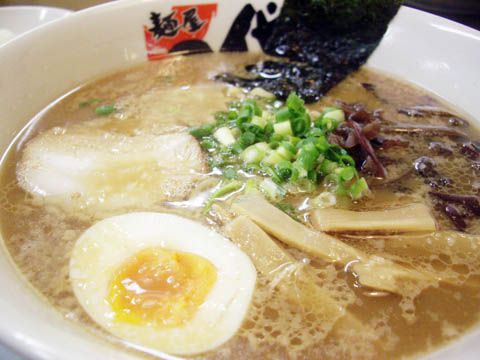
35, 69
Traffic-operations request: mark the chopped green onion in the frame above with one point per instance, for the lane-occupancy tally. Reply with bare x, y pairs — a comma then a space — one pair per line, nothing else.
327, 124
208, 143
221, 117
294, 140
315, 132
346, 160
300, 124
273, 158
305, 185
335, 114
283, 115
252, 155
327, 167
262, 146
259, 121
322, 144
256, 130
268, 129
232, 115
331, 119
295, 104
285, 150
307, 156
272, 190
276, 138
221, 192
105, 110
289, 147
246, 139
202, 131
312, 175
237, 148
224, 136
279, 142
283, 128
358, 189
236, 132
346, 174
252, 168
285, 170
301, 171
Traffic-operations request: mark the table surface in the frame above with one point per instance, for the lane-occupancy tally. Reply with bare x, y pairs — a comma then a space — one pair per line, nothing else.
469, 20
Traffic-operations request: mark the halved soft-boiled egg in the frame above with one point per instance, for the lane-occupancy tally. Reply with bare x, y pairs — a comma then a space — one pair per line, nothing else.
162, 282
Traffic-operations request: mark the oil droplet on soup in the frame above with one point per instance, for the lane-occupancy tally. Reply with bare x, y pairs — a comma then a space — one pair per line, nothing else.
168, 97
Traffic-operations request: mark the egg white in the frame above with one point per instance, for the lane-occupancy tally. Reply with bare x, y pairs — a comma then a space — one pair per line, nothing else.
100, 251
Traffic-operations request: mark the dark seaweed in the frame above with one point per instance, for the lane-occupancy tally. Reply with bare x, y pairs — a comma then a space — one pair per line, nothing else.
321, 41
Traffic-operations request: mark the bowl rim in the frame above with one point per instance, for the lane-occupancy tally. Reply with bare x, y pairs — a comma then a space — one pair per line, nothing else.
33, 351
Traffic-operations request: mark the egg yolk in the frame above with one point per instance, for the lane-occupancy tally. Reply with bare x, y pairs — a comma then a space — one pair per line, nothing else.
161, 287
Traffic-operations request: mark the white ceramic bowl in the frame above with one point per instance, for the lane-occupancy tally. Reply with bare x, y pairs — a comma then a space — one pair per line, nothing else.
38, 67
16, 20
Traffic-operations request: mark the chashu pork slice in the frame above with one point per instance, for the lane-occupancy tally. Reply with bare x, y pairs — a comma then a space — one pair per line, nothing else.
108, 171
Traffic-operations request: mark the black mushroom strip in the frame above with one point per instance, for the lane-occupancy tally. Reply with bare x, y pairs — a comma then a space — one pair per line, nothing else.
372, 159
471, 202
452, 120
471, 150
425, 167
357, 134
369, 87
432, 130
458, 122
455, 215
440, 148
458, 208
426, 111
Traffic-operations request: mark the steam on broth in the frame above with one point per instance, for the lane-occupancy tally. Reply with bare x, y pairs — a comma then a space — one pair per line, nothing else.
306, 303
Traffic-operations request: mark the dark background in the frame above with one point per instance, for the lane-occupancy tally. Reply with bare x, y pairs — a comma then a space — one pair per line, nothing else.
466, 12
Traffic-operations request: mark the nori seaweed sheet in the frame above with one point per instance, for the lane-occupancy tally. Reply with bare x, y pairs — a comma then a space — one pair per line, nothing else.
321, 41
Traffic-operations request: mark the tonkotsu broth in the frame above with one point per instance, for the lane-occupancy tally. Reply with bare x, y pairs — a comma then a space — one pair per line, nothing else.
177, 93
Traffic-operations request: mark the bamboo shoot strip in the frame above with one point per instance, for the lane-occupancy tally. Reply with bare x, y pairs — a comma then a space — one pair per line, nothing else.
373, 271
440, 242
270, 260
411, 218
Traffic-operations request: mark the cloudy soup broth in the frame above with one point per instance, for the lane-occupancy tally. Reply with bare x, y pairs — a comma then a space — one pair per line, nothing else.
384, 291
